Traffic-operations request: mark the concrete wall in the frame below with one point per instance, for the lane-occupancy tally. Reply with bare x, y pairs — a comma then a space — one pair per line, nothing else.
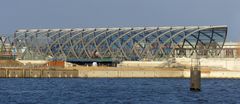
142, 64
130, 74
22, 73
213, 63
28, 73
155, 74
32, 61
218, 63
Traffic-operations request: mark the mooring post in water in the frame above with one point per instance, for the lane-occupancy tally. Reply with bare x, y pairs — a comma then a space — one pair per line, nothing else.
195, 74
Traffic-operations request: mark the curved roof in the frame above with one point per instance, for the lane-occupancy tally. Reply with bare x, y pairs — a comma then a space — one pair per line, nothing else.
130, 43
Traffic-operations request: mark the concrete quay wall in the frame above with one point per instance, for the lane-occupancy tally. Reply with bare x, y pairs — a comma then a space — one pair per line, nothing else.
131, 74
157, 74
26, 73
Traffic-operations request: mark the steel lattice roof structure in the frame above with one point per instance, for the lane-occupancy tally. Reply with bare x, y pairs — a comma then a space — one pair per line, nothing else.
5, 43
130, 43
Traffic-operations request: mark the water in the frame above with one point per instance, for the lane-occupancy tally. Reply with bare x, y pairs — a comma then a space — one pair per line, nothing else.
114, 91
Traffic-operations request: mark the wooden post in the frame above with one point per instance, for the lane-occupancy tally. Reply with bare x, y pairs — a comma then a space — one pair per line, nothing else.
6, 73
23, 73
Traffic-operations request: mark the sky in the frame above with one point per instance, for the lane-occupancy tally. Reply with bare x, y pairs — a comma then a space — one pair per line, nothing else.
28, 14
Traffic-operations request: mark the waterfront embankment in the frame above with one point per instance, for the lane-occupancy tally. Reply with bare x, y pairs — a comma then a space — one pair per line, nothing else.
112, 72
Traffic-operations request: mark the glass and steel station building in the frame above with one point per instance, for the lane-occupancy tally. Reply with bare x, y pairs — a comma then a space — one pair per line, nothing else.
119, 44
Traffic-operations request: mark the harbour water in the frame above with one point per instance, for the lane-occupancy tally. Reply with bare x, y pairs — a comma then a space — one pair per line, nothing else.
116, 90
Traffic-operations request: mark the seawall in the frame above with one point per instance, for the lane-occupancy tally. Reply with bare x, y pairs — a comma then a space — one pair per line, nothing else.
114, 73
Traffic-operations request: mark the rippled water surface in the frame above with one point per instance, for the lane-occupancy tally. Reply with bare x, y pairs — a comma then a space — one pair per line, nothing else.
113, 91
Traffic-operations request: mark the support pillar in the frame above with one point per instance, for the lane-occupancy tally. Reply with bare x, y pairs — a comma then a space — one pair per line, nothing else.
195, 74
195, 83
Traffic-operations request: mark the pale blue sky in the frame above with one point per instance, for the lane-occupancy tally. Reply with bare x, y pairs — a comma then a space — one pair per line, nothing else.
17, 14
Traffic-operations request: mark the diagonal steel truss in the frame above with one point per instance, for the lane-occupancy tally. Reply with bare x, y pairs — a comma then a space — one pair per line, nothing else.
136, 43
5, 44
